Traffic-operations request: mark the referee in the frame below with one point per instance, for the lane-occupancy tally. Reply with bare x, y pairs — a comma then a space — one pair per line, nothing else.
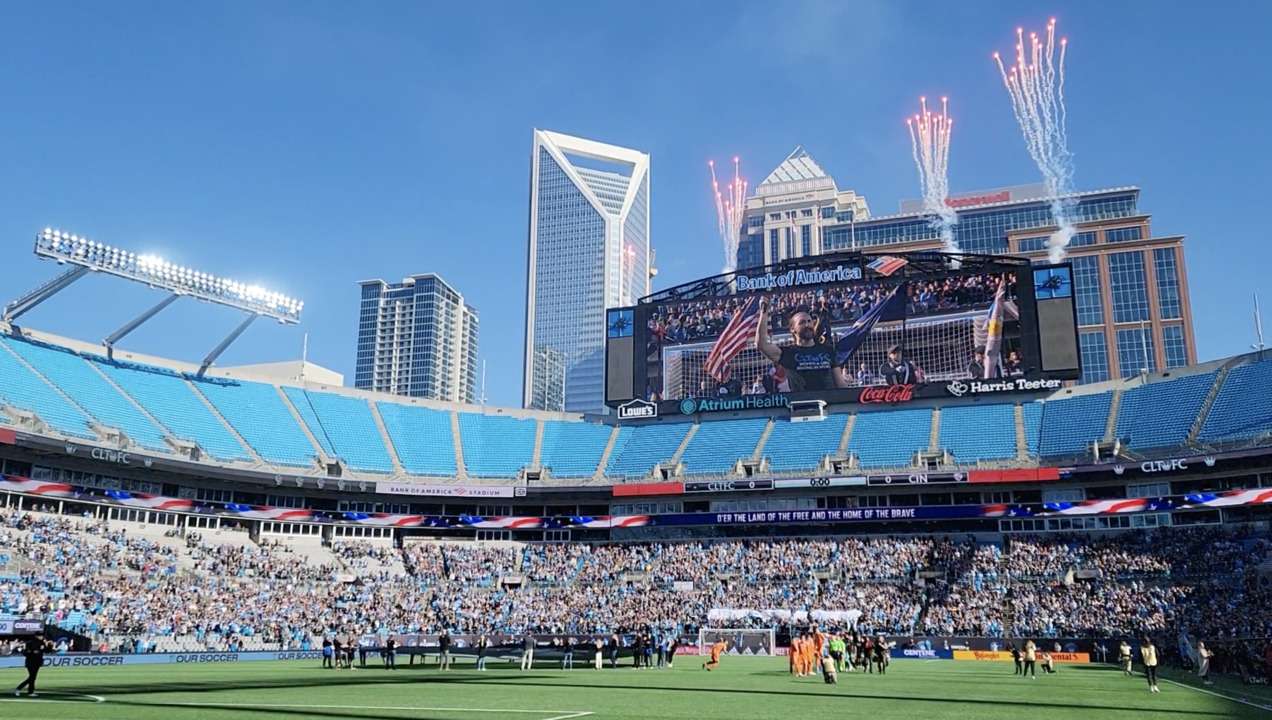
34, 652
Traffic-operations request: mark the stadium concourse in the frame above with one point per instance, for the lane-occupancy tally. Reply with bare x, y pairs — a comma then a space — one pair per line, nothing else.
152, 531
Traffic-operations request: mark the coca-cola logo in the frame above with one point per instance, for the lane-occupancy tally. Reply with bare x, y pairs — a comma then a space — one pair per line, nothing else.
889, 394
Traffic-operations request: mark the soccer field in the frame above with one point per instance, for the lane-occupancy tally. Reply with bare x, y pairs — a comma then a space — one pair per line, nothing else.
741, 688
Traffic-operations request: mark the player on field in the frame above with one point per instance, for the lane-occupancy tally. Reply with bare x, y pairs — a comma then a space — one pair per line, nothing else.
716, 651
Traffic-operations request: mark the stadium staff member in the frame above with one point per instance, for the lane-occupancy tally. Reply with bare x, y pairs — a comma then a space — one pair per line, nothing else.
34, 651
809, 364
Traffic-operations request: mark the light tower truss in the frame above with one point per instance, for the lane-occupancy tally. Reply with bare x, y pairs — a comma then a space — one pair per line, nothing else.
85, 256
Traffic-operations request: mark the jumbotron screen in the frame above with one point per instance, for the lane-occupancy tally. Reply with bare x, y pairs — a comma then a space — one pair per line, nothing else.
849, 328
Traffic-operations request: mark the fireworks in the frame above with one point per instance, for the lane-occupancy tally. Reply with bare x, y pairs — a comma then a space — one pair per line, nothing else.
627, 285
1036, 86
930, 143
731, 211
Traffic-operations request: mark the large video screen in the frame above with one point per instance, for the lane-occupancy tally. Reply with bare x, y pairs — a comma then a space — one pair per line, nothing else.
870, 333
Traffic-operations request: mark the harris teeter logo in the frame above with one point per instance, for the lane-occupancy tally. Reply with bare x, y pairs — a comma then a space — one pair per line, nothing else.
690, 406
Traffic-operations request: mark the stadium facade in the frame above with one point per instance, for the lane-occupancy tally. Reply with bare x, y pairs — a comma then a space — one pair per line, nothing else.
1131, 286
416, 338
588, 251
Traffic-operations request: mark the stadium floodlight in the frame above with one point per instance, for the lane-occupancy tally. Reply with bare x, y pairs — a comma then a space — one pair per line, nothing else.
66, 248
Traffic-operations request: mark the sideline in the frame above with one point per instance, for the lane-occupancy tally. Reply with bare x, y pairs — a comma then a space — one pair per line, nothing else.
559, 714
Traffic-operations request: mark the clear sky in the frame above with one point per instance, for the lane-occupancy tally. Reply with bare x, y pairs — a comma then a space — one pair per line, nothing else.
309, 145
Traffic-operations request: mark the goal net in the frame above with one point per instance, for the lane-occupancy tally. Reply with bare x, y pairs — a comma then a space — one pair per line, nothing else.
941, 347
740, 641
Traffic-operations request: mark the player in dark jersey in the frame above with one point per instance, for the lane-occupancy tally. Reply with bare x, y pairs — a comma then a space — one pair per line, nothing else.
34, 655
810, 365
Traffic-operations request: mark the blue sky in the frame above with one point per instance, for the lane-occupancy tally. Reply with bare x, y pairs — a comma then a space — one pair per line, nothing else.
309, 145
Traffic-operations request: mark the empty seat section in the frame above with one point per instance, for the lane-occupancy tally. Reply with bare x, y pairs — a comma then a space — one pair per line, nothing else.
620, 441
573, 449
796, 446
348, 426
264, 422
1161, 414
890, 439
978, 432
717, 446
647, 446
1033, 425
169, 399
1069, 426
1243, 406
496, 446
23, 390
422, 437
92, 392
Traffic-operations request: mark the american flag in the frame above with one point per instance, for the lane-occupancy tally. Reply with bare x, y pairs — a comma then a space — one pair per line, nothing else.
887, 265
737, 335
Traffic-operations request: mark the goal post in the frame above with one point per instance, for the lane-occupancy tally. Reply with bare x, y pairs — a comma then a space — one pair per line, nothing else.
741, 641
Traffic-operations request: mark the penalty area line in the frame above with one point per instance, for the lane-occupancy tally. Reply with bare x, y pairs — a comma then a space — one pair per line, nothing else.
554, 714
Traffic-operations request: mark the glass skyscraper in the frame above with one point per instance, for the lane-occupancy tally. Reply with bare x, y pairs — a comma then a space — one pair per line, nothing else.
589, 251
417, 338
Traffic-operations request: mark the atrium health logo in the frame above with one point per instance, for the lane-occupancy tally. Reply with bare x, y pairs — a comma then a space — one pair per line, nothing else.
688, 406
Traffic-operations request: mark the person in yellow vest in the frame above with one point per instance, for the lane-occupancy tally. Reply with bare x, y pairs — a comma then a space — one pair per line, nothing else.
1124, 657
1031, 660
1148, 655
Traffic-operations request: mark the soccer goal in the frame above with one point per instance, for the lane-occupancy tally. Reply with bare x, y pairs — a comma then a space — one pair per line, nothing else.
740, 642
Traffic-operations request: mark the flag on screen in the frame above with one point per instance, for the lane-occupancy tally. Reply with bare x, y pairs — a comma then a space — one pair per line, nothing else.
994, 333
737, 335
890, 309
887, 264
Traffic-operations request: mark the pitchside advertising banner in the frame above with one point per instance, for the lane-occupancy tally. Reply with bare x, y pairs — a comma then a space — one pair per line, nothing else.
85, 661
845, 328
920, 654
1003, 656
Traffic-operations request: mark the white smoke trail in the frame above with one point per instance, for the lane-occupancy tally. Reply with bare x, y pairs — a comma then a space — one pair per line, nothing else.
930, 145
730, 211
1035, 84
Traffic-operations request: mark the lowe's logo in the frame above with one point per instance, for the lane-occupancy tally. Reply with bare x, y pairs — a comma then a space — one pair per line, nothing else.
637, 409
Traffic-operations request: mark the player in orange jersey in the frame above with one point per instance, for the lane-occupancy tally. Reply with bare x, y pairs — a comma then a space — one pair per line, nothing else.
792, 654
716, 651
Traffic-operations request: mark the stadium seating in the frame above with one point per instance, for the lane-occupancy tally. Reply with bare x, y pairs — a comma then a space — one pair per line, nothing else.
717, 446
1161, 414
348, 426
92, 392
422, 437
1033, 425
263, 421
170, 400
800, 446
979, 432
1242, 409
573, 449
26, 391
645, 447
496, 446
1069, 426
890, 438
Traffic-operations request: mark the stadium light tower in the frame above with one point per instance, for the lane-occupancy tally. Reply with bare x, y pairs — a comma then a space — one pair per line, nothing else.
85, 256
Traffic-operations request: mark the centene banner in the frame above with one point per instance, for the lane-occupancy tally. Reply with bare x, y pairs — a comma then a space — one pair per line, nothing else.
1001, 656
459, 491
920, 654
81, 660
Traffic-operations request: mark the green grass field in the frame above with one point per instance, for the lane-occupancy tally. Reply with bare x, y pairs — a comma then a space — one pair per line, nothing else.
742, 687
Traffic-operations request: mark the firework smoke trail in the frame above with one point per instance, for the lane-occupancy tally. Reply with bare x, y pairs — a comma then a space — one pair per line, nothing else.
629, 274
930, 144
731, 211
1035, 84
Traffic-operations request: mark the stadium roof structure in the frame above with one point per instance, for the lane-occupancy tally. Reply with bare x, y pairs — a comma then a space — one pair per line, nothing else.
86, 256
917, 264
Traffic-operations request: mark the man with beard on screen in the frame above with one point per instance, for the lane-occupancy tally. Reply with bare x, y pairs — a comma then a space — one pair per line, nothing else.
810, 365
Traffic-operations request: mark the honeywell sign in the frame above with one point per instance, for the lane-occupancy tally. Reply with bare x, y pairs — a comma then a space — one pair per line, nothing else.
997, 197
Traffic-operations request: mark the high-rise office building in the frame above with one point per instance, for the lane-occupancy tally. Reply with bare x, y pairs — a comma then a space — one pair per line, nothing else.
1130, 286
417, 338
589, 251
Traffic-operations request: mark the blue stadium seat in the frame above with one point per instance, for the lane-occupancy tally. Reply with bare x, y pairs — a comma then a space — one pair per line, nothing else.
620, 442
422, 437
1242, 409
645, 447
1161, 414
346, 426
496, 446
261, 418
717, 445
978, 432
573, 449
170, 400
1070, 425
890, 439
1033, 425
800, 446
75, 377
25, 390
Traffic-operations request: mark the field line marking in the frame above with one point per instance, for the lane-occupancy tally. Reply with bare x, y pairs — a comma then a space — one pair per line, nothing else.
1217, 694
561, 714
571, 716
40, 697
